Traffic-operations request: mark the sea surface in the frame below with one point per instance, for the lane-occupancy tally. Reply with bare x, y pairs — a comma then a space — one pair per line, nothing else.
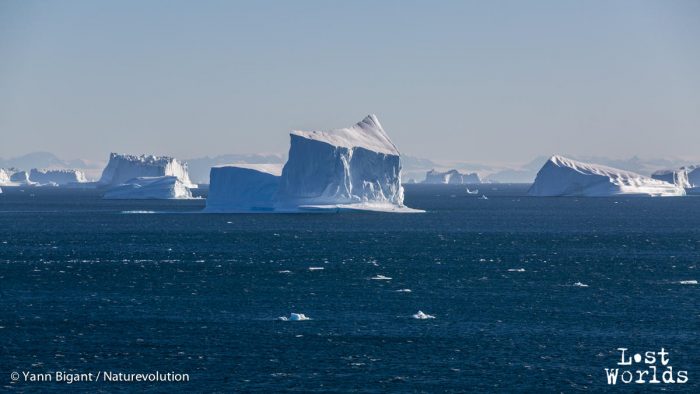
528, 294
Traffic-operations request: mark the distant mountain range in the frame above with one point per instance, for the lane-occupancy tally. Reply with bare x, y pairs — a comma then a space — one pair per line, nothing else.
413, 167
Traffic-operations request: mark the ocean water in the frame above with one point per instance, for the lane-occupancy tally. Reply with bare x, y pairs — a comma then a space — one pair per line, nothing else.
88, 285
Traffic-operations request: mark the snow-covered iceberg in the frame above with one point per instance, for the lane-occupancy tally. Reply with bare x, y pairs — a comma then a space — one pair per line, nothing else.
351, 168
565, 177
687, 177
5, 176
243, 187
355, 168
123, 168
160, 187
56, 177
452, 177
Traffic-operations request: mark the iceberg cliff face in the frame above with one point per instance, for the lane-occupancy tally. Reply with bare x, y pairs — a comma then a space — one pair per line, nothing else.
122, 168
5, 176
357, 166
57, 177
687, 177
565, 177
21, 177
243, 188
142, 188
452, 177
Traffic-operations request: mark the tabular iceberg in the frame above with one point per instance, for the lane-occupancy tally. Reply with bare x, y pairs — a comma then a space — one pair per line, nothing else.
21, 178
355, 168
122, 168
160, 187
243, 187
565, 177
57, 177
452, 177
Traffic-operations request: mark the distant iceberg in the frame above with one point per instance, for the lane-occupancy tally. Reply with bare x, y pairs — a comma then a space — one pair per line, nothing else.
57, 177
295, 317
145, 177
5, 176
452, 177
565, 177
422, 316
161, 187
355, 168
122, 168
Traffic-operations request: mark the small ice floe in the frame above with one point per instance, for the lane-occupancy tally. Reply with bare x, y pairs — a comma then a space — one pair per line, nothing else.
580, 284
516, 269
316, 268
483, 197
284, 272
295, 317
380, 277
422, 316
688, 282
403, 290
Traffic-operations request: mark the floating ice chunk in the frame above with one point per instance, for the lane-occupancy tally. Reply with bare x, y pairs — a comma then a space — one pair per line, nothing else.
316, 268
579, 284
516, 269
688, 282
284, 272
295, 317
380, 277
422, 316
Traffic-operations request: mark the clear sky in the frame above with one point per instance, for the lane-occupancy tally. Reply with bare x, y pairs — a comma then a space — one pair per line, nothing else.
488, 81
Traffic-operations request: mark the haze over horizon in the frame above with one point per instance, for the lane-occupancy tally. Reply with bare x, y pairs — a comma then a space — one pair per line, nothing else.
462, 81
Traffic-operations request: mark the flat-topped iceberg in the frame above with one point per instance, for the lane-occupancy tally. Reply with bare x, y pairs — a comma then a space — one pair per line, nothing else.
565, 177
355, 168
243, 187
141, 188
122, 168
57, 177
452, 177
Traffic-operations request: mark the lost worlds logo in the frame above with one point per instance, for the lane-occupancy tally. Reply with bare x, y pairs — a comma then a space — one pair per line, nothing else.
648, 367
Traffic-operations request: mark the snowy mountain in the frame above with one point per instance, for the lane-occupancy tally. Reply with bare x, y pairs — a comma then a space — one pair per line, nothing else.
122, 168
159, 187
565, 177
452, 177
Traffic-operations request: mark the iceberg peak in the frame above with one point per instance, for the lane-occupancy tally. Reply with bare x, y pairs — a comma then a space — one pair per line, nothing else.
367, 134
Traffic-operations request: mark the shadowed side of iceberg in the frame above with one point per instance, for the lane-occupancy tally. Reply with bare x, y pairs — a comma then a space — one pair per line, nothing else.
238, 188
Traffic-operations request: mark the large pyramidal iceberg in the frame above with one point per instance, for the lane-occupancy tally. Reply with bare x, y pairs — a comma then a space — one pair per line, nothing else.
565, 177
354, 168
145, 177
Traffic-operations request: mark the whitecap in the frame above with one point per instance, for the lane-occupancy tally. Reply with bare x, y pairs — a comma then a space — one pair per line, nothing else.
516, 269
403, 290
284, 272
316, 268
688, 282
137, 212
422, 316
380, 277
295, 317
579, 284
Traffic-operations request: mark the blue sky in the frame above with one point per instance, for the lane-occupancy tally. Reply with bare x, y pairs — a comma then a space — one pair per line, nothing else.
481, 81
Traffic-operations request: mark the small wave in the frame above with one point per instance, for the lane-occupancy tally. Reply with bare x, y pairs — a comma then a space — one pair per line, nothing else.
580, 284
688, 282
516, 269
316, 268
284, 272
137, 212
423, 316
380, 277
295, 317
403, 290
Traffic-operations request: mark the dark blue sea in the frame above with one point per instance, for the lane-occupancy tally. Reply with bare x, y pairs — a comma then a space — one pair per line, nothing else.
528, 294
